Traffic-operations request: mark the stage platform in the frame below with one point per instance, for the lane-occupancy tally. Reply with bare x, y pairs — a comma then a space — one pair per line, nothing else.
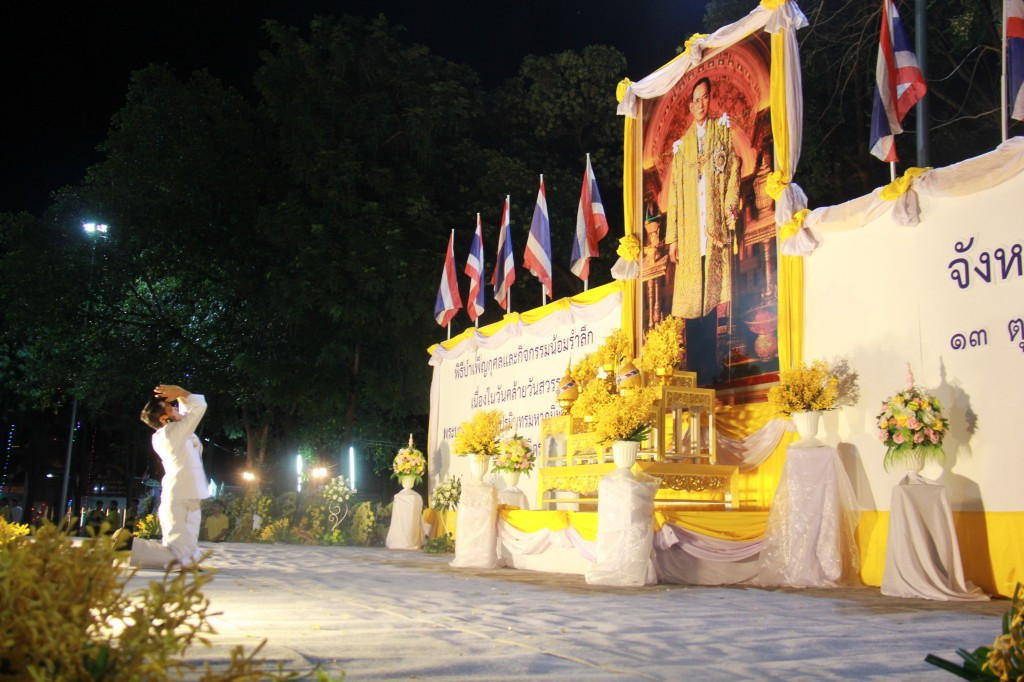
384, 615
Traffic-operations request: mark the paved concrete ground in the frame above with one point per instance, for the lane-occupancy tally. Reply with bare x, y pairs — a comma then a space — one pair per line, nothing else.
383, 615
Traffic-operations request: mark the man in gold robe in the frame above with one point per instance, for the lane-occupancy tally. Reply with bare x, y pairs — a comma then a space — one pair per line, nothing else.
702, 207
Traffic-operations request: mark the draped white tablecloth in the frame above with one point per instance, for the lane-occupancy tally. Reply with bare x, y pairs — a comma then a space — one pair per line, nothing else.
476, 527
922, 558
809, 540
625, 530
406, 530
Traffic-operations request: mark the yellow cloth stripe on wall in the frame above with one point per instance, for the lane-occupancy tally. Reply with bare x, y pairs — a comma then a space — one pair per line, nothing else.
990, 548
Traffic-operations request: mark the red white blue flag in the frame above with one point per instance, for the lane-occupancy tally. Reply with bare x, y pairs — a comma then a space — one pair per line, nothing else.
505, 266
1015, 57
591, 225
475, 270
448, 299
899, 84
537, 258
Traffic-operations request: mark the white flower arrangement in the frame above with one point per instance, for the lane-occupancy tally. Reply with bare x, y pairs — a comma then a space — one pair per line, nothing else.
446, 496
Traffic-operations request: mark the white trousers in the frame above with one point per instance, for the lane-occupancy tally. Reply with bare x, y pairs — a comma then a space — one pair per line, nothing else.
179, 523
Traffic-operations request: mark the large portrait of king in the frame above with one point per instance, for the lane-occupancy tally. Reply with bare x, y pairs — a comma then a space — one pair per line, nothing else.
709, 236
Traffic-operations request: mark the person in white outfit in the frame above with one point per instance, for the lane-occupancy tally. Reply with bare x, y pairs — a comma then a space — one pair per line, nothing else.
184, 481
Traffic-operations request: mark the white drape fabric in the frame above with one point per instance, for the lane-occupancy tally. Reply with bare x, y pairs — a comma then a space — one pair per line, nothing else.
406, 530
665, 78
625, 530
571, 314
922, 558
476, 527
748, 453
687, 558
967, 177
809, 540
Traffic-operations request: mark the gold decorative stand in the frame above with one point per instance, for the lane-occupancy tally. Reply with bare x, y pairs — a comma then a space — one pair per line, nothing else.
680, 452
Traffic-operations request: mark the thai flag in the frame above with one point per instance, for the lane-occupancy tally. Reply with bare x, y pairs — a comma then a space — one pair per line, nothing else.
591, 225
537, 258
505, 267
899, 85
475, 270
1015, 56
448, 299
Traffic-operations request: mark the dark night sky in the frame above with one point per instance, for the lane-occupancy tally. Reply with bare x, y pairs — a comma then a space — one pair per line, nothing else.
66, 65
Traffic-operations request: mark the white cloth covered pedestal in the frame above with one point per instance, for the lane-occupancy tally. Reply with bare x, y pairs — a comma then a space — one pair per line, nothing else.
809, 540
922, 558
406, 531
476, 527
625, 530
513, 497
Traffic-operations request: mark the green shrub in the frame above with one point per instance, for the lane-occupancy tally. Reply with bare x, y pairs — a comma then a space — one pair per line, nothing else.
362, 524
74, 620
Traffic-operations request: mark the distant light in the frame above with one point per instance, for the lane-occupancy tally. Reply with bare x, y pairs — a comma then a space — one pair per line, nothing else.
211, 488
319, 472
49, 475
248, 475
352, 468
93, 228
298, 464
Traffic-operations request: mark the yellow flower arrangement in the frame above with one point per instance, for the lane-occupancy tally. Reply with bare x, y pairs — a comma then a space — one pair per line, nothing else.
596, 393
661, 350
616, 345
625, 417
479, 436
804, 389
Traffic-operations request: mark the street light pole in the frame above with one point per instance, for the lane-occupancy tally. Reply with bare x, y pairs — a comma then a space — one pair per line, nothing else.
95, 230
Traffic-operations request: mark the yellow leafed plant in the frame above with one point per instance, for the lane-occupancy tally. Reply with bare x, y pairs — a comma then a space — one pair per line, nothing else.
479, 435
625, 417
664, 342
805, 388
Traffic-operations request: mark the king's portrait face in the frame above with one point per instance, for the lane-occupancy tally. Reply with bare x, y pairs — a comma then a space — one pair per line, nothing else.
700, 101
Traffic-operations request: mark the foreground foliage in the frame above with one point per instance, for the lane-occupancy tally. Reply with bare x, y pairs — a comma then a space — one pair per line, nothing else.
68, 616
1004, 660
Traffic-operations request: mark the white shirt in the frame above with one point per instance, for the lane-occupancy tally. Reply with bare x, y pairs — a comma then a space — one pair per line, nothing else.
181, 452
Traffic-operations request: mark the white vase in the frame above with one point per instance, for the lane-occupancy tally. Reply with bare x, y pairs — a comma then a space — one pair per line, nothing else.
478, 466
624, 453
407, 482
807, 426
511, 478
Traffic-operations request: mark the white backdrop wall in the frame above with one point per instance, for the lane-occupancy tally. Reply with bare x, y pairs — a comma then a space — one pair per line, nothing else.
515, 370
885, 295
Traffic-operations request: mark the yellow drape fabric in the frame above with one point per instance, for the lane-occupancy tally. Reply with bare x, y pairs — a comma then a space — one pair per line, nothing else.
898, 187
791, 268
724, 525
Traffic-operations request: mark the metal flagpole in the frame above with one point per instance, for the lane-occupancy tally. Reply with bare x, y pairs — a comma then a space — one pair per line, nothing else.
1002, 81
921, 42
888, 17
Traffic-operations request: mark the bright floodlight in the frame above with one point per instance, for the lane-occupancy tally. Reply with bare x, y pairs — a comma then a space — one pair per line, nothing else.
319, 472
248, 475
352, 467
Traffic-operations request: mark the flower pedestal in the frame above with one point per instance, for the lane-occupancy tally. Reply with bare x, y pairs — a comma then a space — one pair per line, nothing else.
407, 482
624, 453
807, 426
406, 530
476, 527
478, 466
511, 478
